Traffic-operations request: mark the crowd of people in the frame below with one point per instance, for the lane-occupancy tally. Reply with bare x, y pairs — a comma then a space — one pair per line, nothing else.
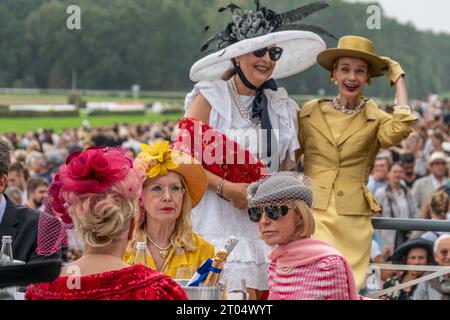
300, 202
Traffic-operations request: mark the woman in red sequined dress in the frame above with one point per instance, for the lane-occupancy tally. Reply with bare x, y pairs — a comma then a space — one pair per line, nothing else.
99, 189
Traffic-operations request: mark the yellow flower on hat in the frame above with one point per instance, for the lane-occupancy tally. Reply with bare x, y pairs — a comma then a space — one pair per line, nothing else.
156, 159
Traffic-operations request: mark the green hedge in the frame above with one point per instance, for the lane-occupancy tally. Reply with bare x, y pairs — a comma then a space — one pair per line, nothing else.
35, 114
116, 113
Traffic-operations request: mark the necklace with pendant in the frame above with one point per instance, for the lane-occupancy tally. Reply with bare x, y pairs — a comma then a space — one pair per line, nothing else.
163, 252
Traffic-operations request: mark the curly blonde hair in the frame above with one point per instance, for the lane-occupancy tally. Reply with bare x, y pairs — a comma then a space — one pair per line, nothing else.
102, 218
438, 205
182, 237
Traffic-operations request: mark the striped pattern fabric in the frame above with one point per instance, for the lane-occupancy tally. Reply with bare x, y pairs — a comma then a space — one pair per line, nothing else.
325, 279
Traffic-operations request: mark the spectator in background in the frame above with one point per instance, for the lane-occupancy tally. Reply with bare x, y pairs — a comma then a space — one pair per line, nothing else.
379, 176
37, 189
414, 144
396, 202
407, 161
412, 252
437, 288
437, 208
435, 142
423, 187
101, 138
446, 109
18, 176
15, 195
38, 165
20, 156
381, 256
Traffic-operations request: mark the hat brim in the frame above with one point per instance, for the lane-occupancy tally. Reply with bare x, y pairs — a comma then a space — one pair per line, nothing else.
402, 250
327, 58
300, 49
193, 174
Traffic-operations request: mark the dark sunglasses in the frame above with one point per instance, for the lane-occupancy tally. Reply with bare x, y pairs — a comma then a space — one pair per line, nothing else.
273, 213
274, 53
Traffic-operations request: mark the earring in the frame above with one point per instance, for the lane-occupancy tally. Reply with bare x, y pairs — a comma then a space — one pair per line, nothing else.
333, 80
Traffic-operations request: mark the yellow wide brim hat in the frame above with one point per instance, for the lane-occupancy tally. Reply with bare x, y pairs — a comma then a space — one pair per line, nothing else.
354, 47
158, 160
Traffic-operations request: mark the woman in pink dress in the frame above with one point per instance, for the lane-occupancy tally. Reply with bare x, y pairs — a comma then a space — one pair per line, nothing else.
301, 268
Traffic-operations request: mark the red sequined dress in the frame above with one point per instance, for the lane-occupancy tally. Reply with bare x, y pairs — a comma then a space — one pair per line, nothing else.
132, 283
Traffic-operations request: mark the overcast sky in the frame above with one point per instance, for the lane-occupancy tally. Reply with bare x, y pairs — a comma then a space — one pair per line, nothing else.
424, 14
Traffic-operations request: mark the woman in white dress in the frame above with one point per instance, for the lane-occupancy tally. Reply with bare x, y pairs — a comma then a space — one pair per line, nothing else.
236, 94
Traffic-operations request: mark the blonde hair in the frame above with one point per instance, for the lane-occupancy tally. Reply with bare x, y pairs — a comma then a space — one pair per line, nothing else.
307, 225
437, 204
182, 236
102, 218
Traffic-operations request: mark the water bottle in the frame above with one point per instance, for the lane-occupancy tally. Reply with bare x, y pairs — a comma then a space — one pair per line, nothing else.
6, 254
141, 255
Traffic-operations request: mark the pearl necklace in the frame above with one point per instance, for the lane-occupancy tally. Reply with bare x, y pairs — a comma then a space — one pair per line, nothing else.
163, 252
242, 110
336, 104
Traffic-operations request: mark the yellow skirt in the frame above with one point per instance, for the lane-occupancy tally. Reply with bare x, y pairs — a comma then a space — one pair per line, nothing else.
350, 235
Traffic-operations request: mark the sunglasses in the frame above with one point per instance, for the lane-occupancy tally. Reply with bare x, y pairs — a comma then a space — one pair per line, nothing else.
273, 213
274, 53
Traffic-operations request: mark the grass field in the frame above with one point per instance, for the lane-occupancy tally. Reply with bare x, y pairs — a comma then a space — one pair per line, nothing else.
8, 99
21, 125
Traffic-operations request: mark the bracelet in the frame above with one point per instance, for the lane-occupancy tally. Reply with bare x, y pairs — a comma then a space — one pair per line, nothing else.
401, 108
219, 189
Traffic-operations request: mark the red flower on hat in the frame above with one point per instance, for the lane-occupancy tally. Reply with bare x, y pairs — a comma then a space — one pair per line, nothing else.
57, 202
95, 170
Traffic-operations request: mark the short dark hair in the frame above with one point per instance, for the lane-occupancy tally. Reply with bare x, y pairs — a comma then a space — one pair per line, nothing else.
387, 159
407, 158
5, 160
34, 183
20, 169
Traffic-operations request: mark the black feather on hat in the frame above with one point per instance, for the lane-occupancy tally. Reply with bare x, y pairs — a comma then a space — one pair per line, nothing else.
251, 24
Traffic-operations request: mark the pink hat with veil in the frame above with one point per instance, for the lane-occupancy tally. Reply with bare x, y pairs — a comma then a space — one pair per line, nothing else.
93, 170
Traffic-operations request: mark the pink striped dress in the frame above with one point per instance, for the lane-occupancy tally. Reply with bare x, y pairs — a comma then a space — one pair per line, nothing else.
324, 279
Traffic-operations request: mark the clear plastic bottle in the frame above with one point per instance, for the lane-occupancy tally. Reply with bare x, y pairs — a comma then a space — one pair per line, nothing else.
141, 255
6, 253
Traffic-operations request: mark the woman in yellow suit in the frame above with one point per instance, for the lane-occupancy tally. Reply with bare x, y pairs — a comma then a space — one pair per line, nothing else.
340, 139
173, 183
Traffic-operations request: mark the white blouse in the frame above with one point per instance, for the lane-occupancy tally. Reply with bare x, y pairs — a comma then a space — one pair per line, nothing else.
216, 219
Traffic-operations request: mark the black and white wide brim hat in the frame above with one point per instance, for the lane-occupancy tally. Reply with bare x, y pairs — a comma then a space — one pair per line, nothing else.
300, 50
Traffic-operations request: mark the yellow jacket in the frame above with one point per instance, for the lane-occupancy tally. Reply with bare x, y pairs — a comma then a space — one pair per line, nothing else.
344, 166
180, 263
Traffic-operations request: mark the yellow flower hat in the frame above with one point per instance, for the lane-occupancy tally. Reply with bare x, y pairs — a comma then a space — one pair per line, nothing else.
158, 160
